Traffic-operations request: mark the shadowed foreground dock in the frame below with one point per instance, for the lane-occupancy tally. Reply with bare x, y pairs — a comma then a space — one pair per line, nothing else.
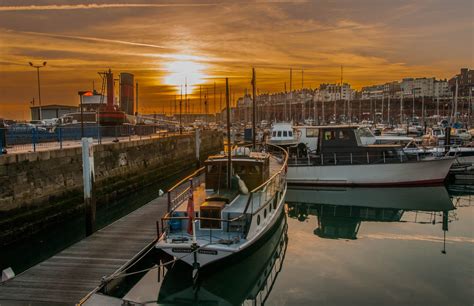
71, 274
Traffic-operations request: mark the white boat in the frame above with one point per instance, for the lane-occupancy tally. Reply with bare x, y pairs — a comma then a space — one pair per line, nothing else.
257, 272
207, 221
342, 159
282, 134
463, 155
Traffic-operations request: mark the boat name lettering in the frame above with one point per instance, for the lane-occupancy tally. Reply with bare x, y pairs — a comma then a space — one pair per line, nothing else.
208, 252
181, 250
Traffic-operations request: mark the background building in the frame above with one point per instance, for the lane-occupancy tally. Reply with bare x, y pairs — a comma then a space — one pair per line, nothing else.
51, 111
465, 82
127, 93
333, 92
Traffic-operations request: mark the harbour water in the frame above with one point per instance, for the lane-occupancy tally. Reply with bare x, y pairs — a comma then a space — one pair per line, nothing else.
338, 246
46, 243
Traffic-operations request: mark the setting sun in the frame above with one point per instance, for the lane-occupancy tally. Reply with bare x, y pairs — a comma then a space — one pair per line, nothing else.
181, 72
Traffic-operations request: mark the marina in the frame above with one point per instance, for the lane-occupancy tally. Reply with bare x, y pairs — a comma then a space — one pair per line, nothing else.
236, 153
418, 240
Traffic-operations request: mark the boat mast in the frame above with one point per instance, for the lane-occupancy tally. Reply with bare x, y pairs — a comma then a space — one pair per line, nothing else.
253, 106
229, 146
291, 92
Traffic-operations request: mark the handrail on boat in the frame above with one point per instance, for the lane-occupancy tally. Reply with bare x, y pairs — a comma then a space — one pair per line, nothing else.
195, 173
168, 217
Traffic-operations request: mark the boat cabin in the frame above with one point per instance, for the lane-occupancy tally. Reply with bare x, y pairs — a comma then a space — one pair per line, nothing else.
282, 134
253, 170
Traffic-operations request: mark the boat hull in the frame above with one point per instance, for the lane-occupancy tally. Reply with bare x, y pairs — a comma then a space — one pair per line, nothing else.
214, 253
423, 172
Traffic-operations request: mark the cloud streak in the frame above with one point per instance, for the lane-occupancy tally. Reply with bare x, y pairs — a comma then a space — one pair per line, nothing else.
57, 7
93, 39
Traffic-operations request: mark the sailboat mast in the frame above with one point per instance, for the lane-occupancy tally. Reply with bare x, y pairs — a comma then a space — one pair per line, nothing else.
229, 146
253, 108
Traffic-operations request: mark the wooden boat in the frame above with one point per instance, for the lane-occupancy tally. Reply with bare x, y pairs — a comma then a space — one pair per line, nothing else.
211, 217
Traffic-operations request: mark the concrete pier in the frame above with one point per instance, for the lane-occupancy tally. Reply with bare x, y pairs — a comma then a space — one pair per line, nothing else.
70, 275
39, 189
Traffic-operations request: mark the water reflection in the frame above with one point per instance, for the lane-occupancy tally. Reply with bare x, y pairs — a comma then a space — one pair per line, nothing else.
340, 212
246, 278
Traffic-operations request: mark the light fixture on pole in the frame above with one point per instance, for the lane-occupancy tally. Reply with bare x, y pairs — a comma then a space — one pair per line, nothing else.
40, 116
81, 94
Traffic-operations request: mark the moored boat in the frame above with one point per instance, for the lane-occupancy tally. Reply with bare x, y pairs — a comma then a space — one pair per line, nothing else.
342, 158
213, 215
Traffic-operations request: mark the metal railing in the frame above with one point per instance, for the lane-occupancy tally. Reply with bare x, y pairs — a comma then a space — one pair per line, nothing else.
32, 139
350, 158
259, 198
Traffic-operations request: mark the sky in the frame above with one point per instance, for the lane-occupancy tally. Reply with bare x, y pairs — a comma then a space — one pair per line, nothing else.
167, 43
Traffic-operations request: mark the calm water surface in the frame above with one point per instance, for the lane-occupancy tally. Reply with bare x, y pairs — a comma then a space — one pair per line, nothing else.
334, 246
342, 246
379, 256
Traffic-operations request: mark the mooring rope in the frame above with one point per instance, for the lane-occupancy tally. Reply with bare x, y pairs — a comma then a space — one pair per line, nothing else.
119, 275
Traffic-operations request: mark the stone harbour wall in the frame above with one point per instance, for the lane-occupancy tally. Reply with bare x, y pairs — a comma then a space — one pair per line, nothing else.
41, 188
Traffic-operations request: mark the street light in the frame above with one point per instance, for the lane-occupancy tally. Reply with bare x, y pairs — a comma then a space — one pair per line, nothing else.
39, 88
81, 94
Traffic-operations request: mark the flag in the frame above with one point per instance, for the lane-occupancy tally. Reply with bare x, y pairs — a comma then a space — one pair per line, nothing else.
190, 211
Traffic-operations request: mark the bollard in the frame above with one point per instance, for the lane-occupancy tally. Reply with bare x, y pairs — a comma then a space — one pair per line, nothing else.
88, 179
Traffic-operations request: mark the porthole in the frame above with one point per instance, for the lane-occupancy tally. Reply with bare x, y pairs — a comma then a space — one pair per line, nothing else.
265, 213
275, 200
270, 208
258, 220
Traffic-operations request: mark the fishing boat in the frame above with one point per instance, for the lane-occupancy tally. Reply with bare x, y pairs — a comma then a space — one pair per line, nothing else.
224, 207
343, 158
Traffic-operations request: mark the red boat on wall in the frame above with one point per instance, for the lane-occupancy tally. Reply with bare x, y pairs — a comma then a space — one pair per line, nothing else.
110, 114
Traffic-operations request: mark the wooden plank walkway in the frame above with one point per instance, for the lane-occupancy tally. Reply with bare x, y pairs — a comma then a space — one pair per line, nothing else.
71, 274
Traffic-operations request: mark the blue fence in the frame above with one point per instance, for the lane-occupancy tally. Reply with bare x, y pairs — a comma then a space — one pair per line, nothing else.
31, 139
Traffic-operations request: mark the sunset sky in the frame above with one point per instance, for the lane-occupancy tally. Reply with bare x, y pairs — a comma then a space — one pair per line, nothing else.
163, 42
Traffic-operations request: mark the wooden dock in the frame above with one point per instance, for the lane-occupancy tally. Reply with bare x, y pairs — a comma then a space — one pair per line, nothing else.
71, 274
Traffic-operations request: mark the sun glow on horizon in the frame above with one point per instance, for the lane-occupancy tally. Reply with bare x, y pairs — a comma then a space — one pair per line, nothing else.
182, 72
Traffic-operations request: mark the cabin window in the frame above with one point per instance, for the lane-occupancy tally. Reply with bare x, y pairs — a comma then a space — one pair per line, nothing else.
329, 135
290, 133
285, 134
258, 220
253, 170
312, 132
240, 169
279, 133
343, 135
265, 213
274, 133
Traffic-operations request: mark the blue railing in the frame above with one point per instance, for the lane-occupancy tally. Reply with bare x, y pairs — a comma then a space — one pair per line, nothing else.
33, 138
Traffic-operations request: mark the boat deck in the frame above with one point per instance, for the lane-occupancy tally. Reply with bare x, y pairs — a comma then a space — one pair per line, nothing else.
236, 206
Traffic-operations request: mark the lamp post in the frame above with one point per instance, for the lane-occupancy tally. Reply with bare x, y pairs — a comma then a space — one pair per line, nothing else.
81, 94
40, 116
